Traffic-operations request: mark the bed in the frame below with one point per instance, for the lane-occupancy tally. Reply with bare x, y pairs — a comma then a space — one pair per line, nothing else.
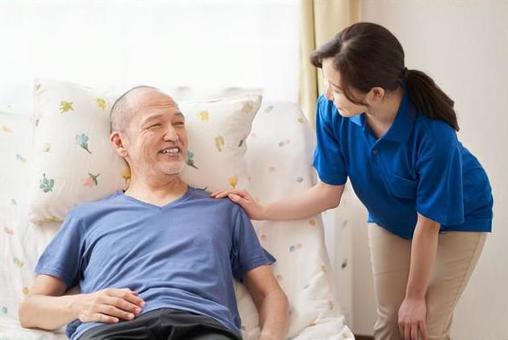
274, 162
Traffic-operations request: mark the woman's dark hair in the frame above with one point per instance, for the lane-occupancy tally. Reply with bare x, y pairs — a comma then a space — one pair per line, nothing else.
367, 55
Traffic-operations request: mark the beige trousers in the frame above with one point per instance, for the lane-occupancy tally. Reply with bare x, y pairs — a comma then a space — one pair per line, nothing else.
457, 255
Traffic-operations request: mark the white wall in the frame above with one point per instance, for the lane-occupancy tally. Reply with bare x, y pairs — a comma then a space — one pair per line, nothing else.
118, 43
463, 45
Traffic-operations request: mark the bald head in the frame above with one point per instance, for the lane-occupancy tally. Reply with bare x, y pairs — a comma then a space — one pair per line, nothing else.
127, 105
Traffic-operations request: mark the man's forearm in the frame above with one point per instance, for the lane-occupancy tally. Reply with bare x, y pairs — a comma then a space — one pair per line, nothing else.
47, 312
274, 316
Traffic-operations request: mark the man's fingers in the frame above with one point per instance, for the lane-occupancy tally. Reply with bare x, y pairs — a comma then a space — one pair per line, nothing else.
128, 295
104, 318
122, 304
115, 312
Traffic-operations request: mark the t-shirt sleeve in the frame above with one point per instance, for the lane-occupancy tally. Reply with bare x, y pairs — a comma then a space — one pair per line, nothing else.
328, 158
439, 170
247, 253
62, 257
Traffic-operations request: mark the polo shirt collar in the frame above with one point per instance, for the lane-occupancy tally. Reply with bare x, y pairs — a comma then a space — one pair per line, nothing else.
401, 126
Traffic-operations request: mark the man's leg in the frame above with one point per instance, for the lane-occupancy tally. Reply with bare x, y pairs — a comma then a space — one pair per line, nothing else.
181, 325
210, 334
144, 327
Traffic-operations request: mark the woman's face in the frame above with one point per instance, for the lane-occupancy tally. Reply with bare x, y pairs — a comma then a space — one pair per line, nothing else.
334, 92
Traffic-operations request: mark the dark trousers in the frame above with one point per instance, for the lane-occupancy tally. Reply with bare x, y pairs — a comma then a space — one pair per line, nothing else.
162, 324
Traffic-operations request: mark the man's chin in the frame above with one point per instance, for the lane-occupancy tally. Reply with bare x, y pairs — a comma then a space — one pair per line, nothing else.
173, 170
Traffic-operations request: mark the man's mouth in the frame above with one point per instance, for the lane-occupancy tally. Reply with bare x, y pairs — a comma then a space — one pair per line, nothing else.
174, 150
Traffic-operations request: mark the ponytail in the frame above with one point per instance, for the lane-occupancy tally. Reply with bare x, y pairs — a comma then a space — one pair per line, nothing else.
429, 98
367, 55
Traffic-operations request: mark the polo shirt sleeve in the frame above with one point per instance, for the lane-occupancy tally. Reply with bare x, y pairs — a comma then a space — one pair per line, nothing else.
62, 257
247, 253
439, 170
328, 158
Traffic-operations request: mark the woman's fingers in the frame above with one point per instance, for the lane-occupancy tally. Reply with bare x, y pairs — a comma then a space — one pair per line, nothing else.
414, 331
225, 193
238, 199
423, 330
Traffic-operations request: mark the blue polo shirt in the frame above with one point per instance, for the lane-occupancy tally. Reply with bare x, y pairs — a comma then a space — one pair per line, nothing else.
417, 166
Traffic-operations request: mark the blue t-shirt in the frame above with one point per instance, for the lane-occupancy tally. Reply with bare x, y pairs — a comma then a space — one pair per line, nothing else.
183, 255
418, 166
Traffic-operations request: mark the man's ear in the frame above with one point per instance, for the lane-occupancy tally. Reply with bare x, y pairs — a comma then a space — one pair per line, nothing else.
118, 140
375, 95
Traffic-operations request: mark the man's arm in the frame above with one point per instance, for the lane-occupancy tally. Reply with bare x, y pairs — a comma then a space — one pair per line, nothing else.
46, 307
271, 302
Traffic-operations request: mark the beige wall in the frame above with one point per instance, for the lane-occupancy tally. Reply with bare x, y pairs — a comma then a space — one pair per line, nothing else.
463, 45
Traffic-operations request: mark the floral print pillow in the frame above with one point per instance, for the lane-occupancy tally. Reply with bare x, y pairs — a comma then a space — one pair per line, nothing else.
74, 161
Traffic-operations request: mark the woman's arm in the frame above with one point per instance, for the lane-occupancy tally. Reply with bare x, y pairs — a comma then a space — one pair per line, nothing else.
317, 199
413, 311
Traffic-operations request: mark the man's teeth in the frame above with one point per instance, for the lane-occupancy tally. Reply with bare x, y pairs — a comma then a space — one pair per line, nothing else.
171, 150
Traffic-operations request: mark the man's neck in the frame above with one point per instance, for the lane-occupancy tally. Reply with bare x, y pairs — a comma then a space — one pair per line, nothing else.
157, 192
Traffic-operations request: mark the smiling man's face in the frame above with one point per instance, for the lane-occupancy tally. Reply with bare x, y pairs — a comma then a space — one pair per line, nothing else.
155, 138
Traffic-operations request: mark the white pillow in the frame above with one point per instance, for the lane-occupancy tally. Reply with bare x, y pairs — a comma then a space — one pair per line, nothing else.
74, 161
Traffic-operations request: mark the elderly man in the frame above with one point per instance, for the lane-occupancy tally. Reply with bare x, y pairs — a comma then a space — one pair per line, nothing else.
158, 260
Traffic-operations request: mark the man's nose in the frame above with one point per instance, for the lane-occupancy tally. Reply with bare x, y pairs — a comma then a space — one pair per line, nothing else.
171, 134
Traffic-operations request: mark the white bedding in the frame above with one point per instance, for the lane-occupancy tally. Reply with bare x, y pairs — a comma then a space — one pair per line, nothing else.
279, 164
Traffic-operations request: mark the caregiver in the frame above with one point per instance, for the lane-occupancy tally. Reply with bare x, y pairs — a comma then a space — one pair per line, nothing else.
392, 131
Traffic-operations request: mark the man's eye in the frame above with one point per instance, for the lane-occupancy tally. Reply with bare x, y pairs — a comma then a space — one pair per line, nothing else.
179, 123
153, 126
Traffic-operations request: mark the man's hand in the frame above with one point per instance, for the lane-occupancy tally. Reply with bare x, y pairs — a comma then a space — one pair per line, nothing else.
108, 305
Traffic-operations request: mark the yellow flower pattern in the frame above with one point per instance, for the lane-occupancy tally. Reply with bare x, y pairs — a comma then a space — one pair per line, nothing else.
6, 129
65, 106
233, 181
203, 116
101, 103
219, 143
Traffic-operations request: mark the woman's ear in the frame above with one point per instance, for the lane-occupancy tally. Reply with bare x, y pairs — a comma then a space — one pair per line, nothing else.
118, 140
375, 95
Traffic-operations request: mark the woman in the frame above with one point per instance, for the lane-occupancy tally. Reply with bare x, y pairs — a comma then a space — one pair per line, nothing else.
392, 132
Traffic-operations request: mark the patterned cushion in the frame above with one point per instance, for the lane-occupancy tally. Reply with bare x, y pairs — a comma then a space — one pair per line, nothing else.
74, 161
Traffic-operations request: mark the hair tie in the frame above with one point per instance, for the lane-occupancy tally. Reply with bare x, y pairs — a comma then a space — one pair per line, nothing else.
405, 72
